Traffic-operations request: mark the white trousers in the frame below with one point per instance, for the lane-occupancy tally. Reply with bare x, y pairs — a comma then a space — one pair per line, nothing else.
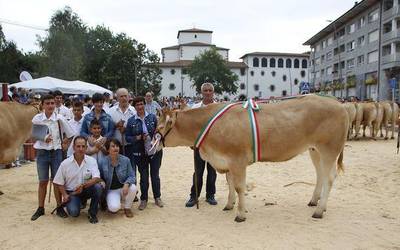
115, 197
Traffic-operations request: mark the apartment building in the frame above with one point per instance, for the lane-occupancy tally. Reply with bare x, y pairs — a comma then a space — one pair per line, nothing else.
358, 54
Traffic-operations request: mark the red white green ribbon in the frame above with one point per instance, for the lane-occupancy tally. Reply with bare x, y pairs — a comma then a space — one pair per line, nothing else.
210, 123
252, 107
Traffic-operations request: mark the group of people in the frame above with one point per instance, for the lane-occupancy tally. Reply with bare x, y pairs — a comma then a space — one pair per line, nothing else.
94, 152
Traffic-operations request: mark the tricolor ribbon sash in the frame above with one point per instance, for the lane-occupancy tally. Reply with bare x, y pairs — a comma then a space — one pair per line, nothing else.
252, 107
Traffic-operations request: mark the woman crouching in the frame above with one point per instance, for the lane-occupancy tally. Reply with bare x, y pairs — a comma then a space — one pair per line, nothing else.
117, 172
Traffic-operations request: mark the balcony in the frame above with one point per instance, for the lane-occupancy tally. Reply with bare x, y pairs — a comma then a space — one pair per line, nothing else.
391, 35
391, 58
390, 13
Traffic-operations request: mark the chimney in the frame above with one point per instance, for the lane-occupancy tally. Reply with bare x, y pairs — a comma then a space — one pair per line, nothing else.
355, 3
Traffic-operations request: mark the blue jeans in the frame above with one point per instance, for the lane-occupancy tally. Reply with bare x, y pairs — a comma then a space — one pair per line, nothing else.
93, 193
142, 163
48, 159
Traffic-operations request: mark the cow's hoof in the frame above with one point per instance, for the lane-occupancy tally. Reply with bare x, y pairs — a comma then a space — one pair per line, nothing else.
240, 219
317, 215
386, 138
226, 208
1, 193
312, 204
391, 138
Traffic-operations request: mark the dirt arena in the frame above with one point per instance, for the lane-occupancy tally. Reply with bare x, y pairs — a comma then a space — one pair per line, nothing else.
363, 209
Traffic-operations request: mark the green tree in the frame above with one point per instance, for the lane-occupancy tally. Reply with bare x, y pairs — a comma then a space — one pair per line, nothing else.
64, 47
211, 67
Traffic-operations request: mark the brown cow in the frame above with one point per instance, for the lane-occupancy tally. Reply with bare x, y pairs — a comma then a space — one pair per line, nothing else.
16, 126
352, 113
369, 115
288, 128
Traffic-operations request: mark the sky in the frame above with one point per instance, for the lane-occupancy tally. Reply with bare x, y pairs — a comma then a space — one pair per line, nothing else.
241, 26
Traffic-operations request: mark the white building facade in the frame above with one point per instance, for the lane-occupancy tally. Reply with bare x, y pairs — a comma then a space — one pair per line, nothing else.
260, 74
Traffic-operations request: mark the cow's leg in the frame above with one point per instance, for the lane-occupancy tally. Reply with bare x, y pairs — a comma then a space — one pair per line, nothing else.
328, 170
239, 182
357, 129
315, 158
231, 197
364, 127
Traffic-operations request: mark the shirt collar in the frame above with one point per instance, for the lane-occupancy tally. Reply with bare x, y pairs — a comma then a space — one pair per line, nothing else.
145, 115
130, 108
53, 116
72, 159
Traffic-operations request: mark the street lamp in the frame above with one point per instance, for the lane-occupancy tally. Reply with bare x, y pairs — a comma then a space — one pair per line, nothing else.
182, 78
339, 64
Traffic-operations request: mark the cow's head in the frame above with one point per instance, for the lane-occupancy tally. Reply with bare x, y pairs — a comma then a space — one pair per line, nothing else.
166, 122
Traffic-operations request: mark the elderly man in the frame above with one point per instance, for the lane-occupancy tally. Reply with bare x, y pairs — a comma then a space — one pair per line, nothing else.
207, 91
151, 106
78, 180
120, 113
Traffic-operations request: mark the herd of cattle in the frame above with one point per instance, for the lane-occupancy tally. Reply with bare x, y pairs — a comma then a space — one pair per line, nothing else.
374, 115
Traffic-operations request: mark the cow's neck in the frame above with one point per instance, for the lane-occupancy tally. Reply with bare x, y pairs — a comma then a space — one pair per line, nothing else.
188, 126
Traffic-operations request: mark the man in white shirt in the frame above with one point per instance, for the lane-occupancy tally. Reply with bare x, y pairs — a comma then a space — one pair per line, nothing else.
49, 150
76, 122
60, 108
120, 113
207, 91
78, 180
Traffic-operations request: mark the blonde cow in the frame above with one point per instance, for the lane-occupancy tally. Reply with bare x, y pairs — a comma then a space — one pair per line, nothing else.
369, 115
351, 112
288, 128
358, 119
379, 118
16, 126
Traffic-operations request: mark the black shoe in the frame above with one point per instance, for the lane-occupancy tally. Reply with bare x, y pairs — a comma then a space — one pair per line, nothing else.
211, 200
191, 202
93, 219
61, 212
39, 212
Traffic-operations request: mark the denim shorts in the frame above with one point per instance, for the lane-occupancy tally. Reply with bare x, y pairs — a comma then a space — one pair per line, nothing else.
48, 160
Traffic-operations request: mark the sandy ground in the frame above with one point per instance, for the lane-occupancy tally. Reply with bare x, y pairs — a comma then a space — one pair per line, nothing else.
363, 209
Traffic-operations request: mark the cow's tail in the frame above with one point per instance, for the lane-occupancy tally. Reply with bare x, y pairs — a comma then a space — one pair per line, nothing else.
340, 165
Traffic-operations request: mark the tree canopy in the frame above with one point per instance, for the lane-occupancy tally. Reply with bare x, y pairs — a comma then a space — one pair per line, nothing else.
211, 67
71, 50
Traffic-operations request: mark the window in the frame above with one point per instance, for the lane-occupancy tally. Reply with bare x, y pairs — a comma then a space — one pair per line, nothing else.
372, 56
361, 41
284, 78
387, 50
351, 28
342, 64
330, 40
387, 27
336, 51
342, 48
373, 36
262, 73
272, 88
360, 60
284, 92
303, 73
171, 86
242, 86
172, 71
184, 71
318, 61
273, 73
252, 73
361, 22
322, 59
288, 63
340, 33
350, 63
195, 36
322, 72
264, 62
329, 70
256, 87
255, 62
296, 81
317, 48
280, 63
373, 16
323, 44
242, 71
329, 56
351, 45
296, 63
272, 62
387, 5
304, 63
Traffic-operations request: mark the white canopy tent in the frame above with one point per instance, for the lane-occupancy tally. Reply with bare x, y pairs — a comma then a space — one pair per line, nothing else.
46, 84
